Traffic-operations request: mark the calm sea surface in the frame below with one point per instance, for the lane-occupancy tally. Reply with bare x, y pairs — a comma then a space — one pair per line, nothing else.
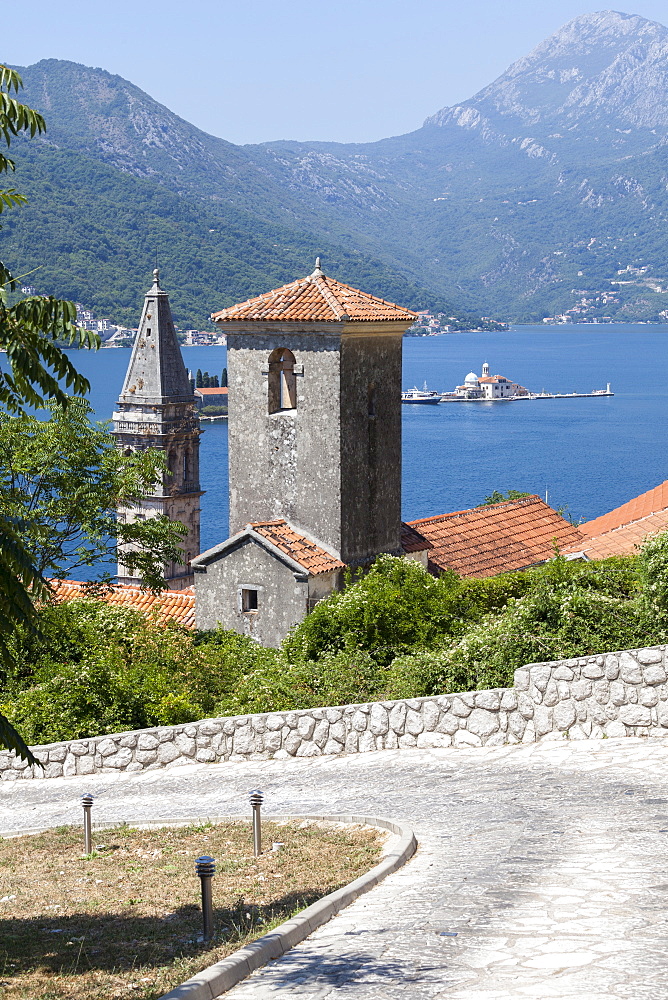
589, 454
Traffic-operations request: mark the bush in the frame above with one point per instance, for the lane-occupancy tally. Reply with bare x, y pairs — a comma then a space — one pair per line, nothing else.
97, 668
335, 678
392, 609
549, 624
653, 572
397, 632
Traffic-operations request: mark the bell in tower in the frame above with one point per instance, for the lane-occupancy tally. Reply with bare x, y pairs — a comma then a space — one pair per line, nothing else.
156, 409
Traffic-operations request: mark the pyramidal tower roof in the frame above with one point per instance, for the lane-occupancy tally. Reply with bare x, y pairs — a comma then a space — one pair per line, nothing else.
156, 373
315, 298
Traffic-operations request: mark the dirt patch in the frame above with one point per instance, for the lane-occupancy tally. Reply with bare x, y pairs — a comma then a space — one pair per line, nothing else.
126, 921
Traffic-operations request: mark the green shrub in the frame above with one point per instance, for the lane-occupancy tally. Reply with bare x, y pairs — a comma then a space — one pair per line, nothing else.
393, 608
335, 678
97, 668
397, 632
653, 572
540, 626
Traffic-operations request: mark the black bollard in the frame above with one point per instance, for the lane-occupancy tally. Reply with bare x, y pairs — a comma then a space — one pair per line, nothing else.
87, 802
256, 799
205, 869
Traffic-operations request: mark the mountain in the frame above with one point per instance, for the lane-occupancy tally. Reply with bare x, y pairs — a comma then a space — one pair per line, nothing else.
545, 192
118, 179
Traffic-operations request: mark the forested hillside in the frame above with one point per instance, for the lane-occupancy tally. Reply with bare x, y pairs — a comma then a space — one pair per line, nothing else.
544, 192
92, 234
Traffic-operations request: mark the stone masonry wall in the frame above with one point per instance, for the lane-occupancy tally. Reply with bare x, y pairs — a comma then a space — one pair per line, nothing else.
613, 694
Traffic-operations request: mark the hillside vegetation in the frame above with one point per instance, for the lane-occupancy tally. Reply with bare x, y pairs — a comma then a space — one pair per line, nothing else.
93, 232
525, 200
396, 633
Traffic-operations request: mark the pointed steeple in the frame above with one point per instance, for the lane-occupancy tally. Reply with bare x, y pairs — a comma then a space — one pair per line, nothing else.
156, 373
156, 409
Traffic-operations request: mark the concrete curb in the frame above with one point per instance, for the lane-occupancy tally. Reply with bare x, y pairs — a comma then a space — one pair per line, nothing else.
221, 977
218, 978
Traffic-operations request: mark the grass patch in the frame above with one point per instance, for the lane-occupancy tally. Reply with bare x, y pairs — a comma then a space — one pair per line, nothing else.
125, 921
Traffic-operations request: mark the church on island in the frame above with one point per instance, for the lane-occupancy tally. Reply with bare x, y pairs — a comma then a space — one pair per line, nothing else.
314, 463
485, 386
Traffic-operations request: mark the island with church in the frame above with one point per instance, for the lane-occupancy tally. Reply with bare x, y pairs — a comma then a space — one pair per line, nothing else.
487, 388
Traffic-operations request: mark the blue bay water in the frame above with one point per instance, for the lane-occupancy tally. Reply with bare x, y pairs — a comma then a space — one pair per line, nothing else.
589, 454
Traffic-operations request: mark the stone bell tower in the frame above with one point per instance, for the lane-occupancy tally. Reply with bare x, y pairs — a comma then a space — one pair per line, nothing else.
314, 372
314, 451
156, 409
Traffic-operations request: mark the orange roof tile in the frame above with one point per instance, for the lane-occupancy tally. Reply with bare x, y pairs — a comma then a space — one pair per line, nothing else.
222, 391
412, 540
169, 606
312, 557
647, 503
315, 298
497, 538
624, 541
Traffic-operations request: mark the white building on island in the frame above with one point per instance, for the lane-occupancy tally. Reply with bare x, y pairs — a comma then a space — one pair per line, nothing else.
487, 386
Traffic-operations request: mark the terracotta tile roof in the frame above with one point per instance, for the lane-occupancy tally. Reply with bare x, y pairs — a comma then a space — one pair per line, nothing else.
494, 539
412, 540
315, 298
623, 541
623, 530
169, 606
312, 557
212, 392
647, 503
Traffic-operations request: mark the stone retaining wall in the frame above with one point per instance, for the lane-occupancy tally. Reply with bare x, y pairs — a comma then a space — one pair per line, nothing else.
613, 694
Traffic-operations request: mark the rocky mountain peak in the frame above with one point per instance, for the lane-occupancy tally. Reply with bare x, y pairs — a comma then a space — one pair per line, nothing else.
600, 65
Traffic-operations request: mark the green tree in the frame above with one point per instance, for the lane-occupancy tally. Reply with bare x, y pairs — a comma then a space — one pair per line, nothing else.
223, 378
393, 608
36, 369
198, 379
64, 478
497, 497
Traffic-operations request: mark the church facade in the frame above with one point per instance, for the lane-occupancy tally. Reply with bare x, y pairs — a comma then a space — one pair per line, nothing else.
314, 452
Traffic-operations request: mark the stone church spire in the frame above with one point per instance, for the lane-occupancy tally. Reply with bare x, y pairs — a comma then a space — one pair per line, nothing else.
156, 409
156, 372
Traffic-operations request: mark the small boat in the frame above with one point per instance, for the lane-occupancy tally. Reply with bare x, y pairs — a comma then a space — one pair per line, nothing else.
423, 395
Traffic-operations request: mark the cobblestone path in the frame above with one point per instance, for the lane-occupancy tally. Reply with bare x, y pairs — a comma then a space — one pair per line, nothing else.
542, 870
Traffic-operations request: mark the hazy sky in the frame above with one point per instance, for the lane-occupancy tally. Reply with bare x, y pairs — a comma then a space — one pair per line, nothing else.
256, 70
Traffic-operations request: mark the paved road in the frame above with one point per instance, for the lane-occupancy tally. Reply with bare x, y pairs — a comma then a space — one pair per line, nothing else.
542, 870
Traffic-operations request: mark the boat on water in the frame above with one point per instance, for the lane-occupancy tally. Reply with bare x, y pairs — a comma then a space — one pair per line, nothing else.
424, 395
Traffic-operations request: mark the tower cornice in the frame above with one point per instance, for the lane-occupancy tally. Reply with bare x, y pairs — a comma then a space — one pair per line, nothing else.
344, 328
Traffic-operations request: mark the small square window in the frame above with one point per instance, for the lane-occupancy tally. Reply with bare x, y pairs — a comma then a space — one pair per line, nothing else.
248, 600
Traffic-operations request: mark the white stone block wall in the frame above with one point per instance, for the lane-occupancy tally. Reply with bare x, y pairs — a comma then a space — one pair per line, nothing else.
612, 694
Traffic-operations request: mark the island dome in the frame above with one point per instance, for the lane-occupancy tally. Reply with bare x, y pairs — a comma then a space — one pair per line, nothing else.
471, 379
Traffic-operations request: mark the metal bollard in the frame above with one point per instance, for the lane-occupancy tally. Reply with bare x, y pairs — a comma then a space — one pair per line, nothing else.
205, 869
256, 799
87, 802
